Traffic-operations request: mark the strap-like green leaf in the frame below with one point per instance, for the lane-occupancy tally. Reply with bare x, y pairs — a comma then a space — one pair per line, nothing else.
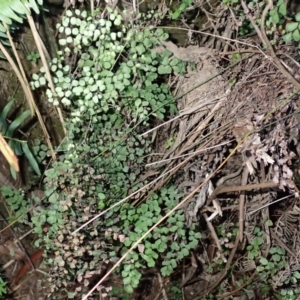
7, 13
16, 147
3, 35
6, 109
31, 159
34, 6
17, 122
3, 116
2, 29
15, 10
13, 173
3, 127
5, 43
20, 8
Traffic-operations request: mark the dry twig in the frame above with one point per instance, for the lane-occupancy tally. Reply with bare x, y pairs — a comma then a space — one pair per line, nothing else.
262, 35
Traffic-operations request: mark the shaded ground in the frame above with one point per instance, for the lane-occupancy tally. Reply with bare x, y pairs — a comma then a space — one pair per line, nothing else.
251, 130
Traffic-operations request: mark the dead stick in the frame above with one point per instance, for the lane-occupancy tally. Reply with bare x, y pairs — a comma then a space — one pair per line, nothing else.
224, 272
20, 244
242, 204
262, 35
241, 188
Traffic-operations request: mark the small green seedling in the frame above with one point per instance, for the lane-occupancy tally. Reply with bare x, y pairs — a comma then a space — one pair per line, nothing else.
33, 56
